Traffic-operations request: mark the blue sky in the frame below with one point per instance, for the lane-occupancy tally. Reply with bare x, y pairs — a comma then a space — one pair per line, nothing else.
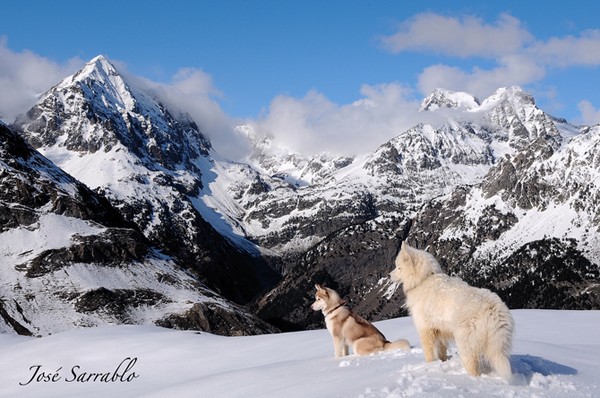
300, 66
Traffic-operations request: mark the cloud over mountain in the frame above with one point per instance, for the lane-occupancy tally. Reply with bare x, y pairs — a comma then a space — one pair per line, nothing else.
192, 91
25, 75
475, 56
315, 124
517, 56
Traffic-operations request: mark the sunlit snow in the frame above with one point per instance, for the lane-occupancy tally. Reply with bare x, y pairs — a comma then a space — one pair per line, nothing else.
555, 355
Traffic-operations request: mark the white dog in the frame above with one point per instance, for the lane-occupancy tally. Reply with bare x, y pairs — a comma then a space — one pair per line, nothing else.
445, 308
348, 329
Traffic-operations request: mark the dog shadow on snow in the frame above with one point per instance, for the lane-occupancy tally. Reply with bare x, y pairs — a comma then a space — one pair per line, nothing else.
528, 365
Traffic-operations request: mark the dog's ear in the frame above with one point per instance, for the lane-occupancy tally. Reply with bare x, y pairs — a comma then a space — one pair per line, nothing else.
322, 289
407, 250
404, 257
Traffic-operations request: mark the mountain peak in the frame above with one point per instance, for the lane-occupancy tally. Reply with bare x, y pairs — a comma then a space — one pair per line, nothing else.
441, 98
98, 58
512, 94
100, 62
99, 68
100, 73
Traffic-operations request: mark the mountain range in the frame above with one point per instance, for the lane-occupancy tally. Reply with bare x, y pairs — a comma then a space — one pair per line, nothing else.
117, 209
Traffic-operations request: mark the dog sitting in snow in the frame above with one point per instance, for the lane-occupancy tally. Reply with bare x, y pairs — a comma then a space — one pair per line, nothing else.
349, 329
446, 308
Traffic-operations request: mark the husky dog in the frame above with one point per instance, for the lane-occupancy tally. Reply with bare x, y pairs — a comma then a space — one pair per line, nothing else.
446, 308
347, 328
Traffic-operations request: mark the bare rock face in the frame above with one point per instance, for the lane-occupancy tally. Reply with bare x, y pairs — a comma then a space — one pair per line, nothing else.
355, 261
217, 319
111, 248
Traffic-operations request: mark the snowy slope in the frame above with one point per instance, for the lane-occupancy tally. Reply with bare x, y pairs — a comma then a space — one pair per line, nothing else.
69, 260
555, 355
560, 208
154, 165
464, 139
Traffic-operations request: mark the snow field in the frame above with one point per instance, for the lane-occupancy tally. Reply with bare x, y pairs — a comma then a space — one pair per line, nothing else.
555, 355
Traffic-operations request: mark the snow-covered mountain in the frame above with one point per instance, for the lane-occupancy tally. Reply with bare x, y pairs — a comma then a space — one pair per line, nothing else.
441, 98
529, 228
419, 164
498, 180
502, 193
152, 163
69, 259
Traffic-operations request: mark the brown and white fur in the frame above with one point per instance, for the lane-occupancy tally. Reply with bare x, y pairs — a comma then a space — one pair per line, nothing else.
349, 329
446, 308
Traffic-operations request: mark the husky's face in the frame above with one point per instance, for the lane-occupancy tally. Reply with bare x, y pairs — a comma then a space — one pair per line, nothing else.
321, 297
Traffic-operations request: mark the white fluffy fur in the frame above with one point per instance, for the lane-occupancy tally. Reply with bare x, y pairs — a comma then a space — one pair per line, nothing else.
445, 308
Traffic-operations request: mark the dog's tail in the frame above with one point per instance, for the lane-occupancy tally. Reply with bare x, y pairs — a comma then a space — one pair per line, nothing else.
499, 345
401, 344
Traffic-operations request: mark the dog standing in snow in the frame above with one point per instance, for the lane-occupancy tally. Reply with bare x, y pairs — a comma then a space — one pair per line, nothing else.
446, 308
347, 328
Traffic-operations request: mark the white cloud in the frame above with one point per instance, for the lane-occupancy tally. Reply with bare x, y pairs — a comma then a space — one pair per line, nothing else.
192, 91
465, 37
25, 75
589, 114
570, 50
520, 59
314, 124
513, 70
